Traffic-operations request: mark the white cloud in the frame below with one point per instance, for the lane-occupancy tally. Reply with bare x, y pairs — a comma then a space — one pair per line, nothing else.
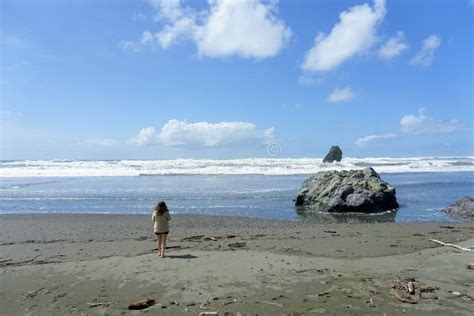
146, 136
177, 133
171, 33
248, 29
425, 56
354, 33
306, 80
393, 46
171, 10
244, 28
131, 46
412, 124
138, 16
364, 141
421, 124
147, 39
341, 94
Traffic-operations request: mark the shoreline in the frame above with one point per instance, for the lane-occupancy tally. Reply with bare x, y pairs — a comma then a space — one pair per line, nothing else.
97, 263
304, 218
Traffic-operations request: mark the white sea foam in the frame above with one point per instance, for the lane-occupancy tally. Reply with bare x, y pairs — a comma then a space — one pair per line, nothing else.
264, 166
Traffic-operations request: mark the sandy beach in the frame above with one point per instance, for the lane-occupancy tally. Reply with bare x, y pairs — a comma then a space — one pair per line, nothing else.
99, 264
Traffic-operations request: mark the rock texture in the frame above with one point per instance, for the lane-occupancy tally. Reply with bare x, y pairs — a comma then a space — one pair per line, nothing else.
347, 191
463, 208
334, 154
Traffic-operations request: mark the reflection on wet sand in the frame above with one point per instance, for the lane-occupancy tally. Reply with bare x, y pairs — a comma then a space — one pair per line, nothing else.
351, 218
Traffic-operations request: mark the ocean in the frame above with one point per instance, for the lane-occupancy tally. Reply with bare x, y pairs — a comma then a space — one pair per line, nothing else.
257, 187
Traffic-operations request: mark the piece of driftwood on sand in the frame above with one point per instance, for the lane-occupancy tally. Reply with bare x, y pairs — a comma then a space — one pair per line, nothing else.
451, 245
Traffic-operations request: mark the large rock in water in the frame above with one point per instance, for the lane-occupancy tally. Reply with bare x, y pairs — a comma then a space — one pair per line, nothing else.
347, 191
463, 208
334, 154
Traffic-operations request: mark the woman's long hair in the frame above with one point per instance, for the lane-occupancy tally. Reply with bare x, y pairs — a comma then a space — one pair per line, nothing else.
161, 208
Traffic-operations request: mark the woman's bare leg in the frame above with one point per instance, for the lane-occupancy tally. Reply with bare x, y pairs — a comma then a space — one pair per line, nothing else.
158, 243
163, 244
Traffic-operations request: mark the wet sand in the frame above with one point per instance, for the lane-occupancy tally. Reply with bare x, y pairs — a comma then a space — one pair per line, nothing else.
99, 264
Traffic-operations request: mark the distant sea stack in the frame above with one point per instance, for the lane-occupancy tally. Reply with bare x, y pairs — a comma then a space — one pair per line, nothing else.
462, 208
334, 154
361, 191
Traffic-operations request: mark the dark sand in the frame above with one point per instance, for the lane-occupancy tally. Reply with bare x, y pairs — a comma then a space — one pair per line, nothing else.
99, 264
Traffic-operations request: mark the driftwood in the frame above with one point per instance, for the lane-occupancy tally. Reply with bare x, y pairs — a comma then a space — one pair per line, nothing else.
403, 296
141, 304
451, 245
400, 285
426, 288
143, 238
31, 294
214, 238
446, 226
18, 263
462, 295
193, 238
269, 303
96, 304
172, 247
238, 245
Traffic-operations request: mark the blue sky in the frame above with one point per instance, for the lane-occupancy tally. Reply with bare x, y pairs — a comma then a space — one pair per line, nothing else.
228, 79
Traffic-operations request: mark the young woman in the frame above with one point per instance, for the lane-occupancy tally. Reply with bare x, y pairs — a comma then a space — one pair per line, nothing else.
161, 217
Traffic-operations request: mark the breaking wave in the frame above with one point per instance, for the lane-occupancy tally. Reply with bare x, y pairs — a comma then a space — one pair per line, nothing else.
263, 166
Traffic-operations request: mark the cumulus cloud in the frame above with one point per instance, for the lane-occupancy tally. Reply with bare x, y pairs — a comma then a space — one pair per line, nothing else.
130, 46
181, 29
355, 33
341, 95
425, 56
421, 124
147, 136
168, 9
364, 141
147, 39
394, 46
245, 28
177, 133
249, 29
415, 124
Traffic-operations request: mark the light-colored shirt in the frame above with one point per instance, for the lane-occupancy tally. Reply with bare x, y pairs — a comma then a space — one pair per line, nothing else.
160, 222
